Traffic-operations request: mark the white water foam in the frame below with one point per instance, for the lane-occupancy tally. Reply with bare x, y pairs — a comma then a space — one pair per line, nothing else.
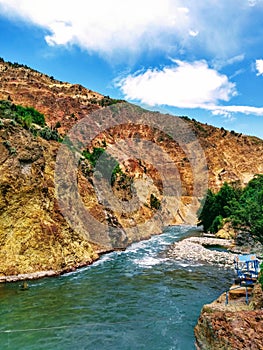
148, 261
144, 253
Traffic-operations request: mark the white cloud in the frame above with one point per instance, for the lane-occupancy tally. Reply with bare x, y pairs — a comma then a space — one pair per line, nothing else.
103, 25
193, 32
259, 67
227, 110
184, 85
134, 25
219, 63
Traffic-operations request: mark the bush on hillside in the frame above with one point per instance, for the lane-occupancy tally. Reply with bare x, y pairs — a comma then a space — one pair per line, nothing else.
25, 116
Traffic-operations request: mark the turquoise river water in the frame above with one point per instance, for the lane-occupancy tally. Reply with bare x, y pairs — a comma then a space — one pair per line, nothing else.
134, 299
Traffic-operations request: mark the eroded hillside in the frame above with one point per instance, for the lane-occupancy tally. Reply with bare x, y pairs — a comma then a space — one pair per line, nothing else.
35, 234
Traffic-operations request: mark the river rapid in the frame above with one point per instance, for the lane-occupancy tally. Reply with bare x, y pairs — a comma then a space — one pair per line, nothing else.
134, 299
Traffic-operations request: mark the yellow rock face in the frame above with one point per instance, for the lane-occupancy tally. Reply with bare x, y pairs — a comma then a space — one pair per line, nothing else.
34, 236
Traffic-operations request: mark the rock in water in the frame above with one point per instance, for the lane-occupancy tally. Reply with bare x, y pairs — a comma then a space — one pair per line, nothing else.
24, 286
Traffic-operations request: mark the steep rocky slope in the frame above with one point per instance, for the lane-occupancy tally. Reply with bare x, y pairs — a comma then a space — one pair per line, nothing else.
233, 326
231, 156
59, 101
36, 236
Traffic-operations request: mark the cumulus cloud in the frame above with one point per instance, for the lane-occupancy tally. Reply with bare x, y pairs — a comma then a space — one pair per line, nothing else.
134, 25
103, 25
259, 67
184, 85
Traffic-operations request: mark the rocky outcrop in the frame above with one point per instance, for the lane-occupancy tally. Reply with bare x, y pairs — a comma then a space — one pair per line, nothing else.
233, 326
228, 330
226, 232
244, 242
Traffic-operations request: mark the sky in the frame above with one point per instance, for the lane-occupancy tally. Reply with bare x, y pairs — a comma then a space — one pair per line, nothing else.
202, 59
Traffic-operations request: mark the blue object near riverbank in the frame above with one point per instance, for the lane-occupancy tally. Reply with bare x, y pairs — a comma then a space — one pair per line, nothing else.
247, 267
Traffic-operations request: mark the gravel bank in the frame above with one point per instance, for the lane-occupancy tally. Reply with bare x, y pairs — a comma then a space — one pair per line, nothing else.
196, 249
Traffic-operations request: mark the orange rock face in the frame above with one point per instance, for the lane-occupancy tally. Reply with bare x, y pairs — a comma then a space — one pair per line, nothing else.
233, 326
228, 330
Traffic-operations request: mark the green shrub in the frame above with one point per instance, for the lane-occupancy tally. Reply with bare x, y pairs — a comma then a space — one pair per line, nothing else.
23, 115
49, 134
107, 101
154, 202
30, 115
117, 171
94, 155
217, 224
243, 208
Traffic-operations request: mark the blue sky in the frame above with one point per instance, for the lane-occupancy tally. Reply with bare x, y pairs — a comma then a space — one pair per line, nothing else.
203, 58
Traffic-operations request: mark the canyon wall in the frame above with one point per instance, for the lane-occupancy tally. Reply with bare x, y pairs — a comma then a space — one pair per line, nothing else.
36, 234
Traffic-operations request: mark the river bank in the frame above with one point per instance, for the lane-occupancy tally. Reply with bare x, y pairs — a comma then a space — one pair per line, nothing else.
232, 325
190, 249
198, 248
229, 322
52, 273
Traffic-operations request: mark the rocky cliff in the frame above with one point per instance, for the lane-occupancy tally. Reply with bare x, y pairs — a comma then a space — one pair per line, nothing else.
34, 233
233, 326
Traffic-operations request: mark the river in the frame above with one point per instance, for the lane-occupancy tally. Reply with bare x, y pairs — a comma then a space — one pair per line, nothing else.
129, 300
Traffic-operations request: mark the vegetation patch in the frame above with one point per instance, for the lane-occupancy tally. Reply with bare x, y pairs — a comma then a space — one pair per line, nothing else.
104, 163
29, 118
107, 101
154, 202
93, 156
242, 207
